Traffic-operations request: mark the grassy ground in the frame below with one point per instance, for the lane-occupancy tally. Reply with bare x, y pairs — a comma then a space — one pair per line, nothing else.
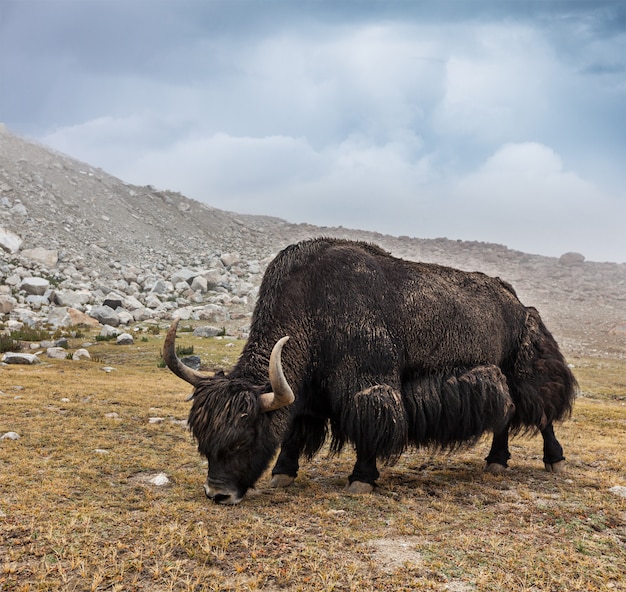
78, 510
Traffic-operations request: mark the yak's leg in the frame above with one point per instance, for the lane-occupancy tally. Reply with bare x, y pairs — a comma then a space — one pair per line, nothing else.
553, 458
497, 459
308, 433
364, 474
376, 424
286, 468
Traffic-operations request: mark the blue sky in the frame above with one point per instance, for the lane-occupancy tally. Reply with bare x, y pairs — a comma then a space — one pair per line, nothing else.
499, 121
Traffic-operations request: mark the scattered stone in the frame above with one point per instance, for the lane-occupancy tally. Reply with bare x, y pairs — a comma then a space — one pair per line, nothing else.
81, 354
191, 361
47, 257
112, 415
10, 436
20, 358
109, 331
155, 420
125, 339
618, 490
108, 369
105, 315
57, 204
36, 286
160, 480
7, 304
101, 451
57, 353
9, 241
207, 331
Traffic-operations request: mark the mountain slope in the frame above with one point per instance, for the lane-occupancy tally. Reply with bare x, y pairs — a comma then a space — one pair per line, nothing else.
100, 225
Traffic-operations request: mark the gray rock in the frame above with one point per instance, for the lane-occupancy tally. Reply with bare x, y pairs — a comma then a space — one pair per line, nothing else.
57, 353
161, 287
183, 275
105, 315
191, 361
20, 358
109, 331
47, 257
207, 331
81, 354
36, 286
9, 241
214, 313
72, 298
199, 284
7, 304
153, 301
230, 259
125, 339
125, 317
10, 436
113, 300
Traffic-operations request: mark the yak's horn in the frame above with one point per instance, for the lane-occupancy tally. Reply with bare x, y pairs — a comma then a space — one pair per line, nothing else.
174, 363
281, 394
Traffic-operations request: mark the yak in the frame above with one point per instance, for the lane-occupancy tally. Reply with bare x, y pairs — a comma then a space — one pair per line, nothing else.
379, 352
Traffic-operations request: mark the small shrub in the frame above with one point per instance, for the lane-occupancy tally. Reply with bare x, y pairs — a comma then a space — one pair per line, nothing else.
184, 351
30, 334
8, 344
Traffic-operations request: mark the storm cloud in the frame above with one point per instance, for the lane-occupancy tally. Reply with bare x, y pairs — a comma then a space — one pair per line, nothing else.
503, 123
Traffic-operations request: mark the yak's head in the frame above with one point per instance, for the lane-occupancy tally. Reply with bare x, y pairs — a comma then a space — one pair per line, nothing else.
231, 419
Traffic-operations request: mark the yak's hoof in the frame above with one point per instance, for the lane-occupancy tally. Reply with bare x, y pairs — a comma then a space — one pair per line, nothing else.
557, 467
495, 468
279, 480
360, 487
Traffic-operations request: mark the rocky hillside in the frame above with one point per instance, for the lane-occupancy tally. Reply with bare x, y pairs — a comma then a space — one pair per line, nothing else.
74, 239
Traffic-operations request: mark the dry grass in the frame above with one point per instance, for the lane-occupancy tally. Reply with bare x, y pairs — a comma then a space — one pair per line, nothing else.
78, 512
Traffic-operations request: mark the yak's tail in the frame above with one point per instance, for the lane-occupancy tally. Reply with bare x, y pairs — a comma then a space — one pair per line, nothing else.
542, 386
456, 408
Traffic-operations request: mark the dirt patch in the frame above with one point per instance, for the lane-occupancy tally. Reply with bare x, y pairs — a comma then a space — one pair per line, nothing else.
395, 553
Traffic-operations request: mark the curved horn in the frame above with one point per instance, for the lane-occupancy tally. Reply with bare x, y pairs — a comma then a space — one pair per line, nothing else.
173, 362
282, 394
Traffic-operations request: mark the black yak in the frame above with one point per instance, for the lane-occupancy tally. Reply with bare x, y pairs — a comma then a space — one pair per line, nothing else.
383, 354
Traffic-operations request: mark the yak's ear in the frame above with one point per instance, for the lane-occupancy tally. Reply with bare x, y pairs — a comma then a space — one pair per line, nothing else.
281, 394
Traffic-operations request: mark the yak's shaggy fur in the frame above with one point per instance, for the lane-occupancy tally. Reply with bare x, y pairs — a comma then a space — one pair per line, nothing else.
386, 353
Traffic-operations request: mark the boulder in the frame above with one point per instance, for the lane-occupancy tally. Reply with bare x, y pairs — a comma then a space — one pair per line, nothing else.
183, 275
47, 257
125, 339
9, 241
20, 358
37, 286
207, 331
113, 300
81, 354
109, 331
571, 258
72, 298
57, 353
230, 259
105, 315
7, 304
199, 284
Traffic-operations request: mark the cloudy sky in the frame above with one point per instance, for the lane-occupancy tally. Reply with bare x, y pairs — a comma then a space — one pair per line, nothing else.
501, 120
